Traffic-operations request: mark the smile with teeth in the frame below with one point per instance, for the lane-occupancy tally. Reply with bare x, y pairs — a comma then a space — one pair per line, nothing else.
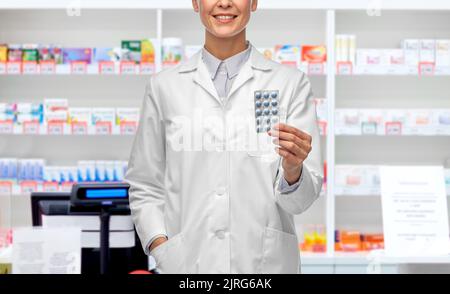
225, 18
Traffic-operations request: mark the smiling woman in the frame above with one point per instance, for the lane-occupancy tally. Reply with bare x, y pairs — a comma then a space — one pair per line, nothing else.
223, 209
225, 22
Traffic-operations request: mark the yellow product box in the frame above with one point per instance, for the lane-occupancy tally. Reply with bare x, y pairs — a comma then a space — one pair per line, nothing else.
3, 53
148, 50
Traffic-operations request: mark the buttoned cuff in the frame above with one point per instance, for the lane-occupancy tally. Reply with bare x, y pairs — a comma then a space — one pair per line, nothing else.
285, 188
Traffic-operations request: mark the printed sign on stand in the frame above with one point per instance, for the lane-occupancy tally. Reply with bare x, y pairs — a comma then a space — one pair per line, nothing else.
47, 250
415, 216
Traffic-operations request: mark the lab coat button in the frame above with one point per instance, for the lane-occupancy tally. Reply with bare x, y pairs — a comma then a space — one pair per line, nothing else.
221, 191
220, 234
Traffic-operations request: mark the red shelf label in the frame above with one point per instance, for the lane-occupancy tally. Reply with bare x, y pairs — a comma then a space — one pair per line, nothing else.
31, 127
50, 187
47, 67
79, 128
78, 67
106, 68
55, 128
393, 128
29, 67
316, 68
127, 68
14, 67
344, 68
5, 187
147, 68
103, 128
6, 127
28, 186
426, 69
2, 67
128, 128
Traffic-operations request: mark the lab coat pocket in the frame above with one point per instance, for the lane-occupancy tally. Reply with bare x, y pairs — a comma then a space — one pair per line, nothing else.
170, 256
280, 253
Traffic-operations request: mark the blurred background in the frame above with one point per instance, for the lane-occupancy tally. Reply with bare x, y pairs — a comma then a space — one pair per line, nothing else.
73, 73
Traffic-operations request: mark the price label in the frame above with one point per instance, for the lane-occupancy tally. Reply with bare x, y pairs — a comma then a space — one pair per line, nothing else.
369, 128
316, 68
426, 69
6, 127
322, 127
47, 67
2, 68
79, 128
66, 186
50, 187
393, 128
128, 128
5, 188
14, 67
127, 68
106, 68
147, 68
344, 68
29, 67
55, 128
31, 128
78, 67
103, 128
28, 186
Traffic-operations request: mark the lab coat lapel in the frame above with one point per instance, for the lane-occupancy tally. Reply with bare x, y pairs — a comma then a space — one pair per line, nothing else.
257, 61
244, 75
203, 78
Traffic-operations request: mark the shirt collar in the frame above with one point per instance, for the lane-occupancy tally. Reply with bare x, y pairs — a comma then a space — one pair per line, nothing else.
232, 64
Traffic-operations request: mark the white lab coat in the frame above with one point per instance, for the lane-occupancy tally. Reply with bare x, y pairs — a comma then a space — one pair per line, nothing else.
220, 207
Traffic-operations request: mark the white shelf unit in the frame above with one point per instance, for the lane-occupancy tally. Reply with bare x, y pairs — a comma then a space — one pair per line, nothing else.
105, 23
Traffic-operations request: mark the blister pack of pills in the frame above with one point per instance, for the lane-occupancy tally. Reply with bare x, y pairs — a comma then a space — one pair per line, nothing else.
266, 109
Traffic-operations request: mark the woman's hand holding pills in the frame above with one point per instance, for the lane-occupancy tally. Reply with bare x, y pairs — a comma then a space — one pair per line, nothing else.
294, 147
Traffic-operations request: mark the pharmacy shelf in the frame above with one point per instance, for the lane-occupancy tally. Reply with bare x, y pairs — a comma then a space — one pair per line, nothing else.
267, 4
62, 129
304, 22
107, 69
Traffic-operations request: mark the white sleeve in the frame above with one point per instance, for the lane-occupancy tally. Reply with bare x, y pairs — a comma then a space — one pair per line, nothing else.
145, 173
302, 115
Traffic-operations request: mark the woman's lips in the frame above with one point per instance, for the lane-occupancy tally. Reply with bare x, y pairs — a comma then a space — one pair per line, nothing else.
224, 19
